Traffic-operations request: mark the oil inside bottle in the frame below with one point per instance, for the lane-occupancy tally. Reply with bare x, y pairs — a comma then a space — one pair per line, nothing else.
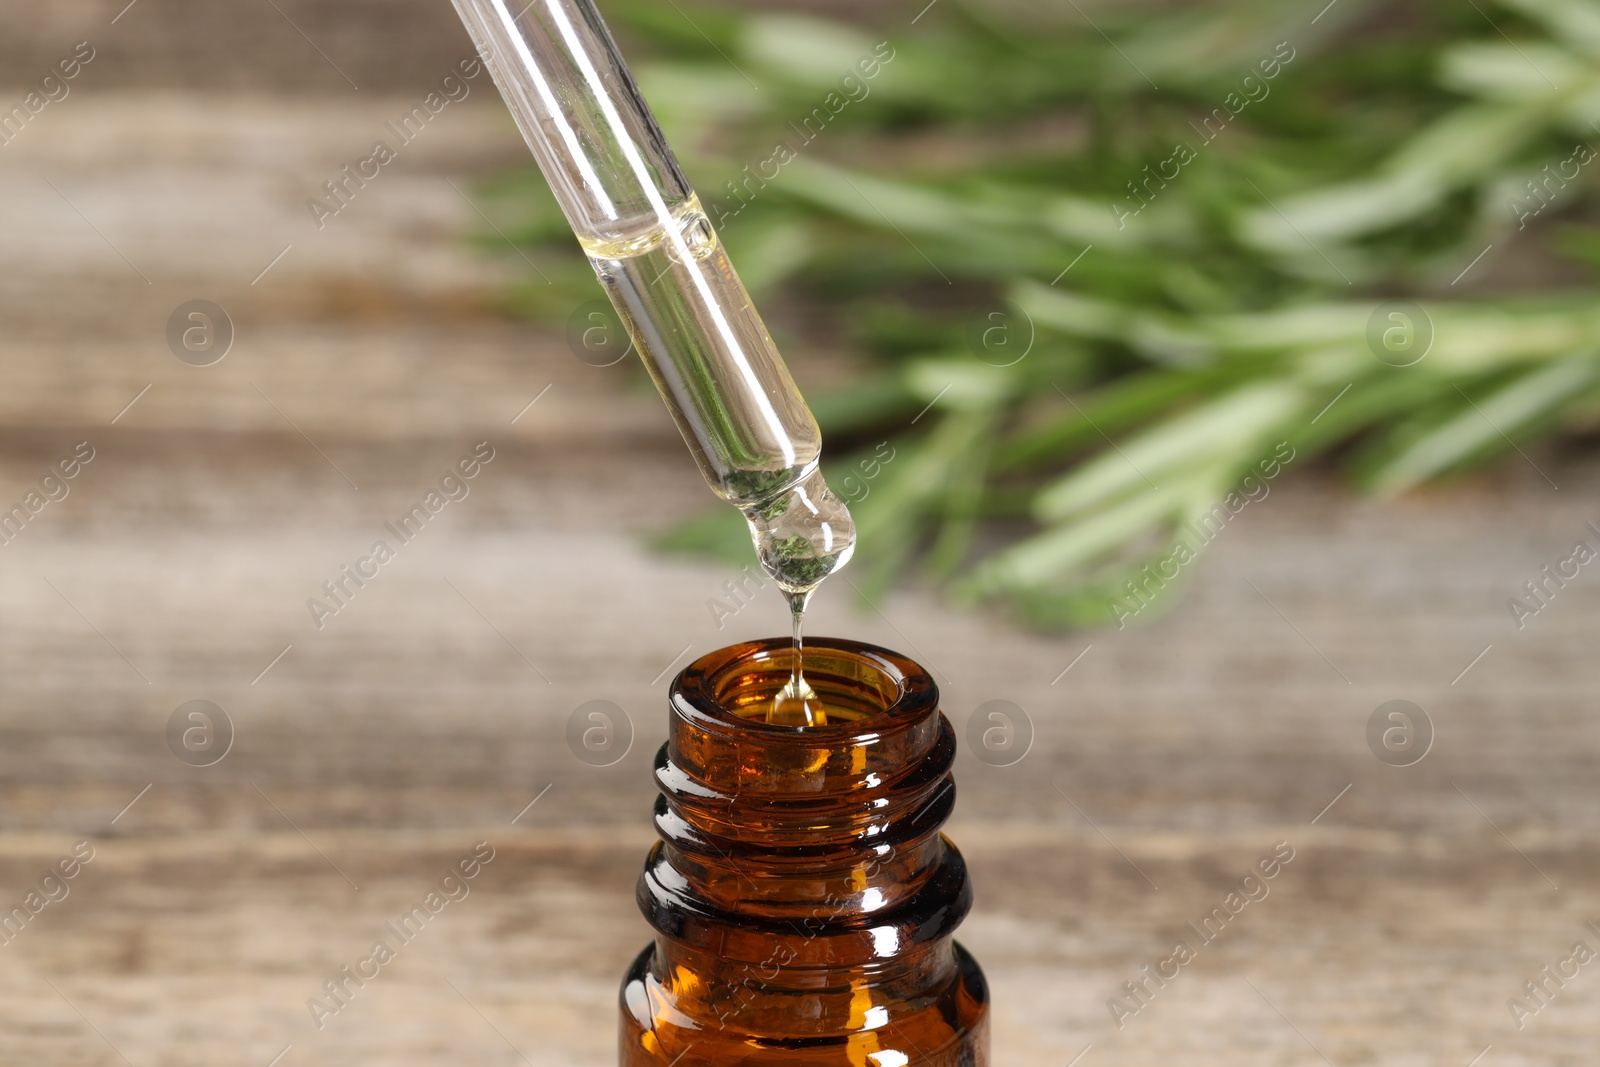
727, 388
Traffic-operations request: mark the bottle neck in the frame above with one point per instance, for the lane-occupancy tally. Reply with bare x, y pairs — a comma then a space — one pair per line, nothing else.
806, 858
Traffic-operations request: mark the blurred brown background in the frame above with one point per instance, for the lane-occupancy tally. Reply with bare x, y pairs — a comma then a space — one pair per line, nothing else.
428, 714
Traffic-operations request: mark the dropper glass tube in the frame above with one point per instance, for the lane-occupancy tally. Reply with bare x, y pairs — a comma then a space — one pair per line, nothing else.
661, 262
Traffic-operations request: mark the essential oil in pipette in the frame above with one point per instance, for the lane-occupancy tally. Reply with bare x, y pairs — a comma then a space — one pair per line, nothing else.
726, 387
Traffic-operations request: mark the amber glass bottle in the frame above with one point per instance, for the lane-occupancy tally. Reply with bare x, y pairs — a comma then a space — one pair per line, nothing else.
803, 898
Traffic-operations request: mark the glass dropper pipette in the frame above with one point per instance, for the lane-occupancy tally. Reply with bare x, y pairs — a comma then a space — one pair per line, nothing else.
660, 260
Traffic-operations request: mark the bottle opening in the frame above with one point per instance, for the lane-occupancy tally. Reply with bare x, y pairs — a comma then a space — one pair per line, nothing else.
850, 688
859, 685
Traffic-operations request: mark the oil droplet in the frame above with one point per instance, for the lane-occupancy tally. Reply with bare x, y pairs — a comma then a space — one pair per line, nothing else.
797, 703
802, 534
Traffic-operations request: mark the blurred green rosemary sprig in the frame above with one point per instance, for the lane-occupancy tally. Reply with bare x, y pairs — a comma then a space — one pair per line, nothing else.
1075, 354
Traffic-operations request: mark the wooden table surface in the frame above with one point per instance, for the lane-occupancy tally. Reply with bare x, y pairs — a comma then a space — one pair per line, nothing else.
427, 714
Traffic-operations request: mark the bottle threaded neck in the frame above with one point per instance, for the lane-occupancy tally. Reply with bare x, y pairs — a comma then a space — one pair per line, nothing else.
823, 840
